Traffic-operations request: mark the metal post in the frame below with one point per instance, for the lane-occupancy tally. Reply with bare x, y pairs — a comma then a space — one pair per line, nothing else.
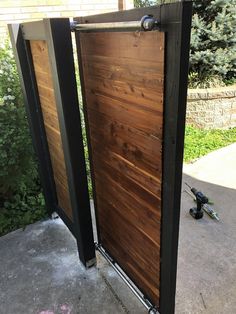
147, 23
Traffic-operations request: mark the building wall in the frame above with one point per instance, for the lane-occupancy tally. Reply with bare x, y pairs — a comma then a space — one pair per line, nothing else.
16, 11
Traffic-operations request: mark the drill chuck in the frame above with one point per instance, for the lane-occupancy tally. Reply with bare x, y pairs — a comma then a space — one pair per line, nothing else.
199, 196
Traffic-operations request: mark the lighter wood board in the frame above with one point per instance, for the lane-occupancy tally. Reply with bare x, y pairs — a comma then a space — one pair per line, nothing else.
46, 92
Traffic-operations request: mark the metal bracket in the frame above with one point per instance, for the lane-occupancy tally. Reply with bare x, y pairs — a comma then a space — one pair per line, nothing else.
148, 22
73, 26
91, 263
153, 310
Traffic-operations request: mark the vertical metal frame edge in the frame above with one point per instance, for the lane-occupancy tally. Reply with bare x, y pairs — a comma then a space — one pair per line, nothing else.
176, 74
58, 36
28, 83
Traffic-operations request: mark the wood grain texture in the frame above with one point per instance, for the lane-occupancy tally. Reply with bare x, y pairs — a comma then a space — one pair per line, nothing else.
50, 116
123, 76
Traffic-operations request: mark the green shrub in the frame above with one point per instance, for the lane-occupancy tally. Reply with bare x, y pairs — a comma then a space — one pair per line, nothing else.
20, 191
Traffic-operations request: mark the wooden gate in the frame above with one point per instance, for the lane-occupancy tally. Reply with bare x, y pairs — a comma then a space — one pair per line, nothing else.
134, 85
123, 75
133, 70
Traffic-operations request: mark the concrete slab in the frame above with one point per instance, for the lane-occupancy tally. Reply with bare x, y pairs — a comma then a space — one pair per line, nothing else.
40, 272
206, 281
218, 167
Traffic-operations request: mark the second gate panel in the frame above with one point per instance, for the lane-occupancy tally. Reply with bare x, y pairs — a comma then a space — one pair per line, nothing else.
123, 77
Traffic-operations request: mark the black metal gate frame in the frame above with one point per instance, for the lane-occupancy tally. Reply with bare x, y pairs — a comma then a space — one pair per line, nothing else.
174, 20
57, 34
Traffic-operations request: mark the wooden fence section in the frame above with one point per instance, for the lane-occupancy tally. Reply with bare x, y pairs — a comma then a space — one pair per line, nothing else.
44, 81
123, 75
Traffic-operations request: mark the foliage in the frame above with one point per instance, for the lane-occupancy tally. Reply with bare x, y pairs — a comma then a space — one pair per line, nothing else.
148, 3
21, 199
90, 189
85, 143
207, 81
22, 209
143, 3
200, 142
213, 42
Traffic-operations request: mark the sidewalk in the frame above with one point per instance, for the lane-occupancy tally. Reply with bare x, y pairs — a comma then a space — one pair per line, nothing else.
206, 280
40, 273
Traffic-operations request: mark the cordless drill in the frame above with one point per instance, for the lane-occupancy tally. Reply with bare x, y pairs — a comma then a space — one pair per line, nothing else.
201, 199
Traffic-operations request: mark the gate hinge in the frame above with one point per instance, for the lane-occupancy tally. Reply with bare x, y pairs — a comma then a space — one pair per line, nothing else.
73, 26
148, 23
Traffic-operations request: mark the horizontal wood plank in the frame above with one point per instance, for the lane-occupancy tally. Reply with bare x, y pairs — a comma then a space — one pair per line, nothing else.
126, 73
127, 113
145, 46
117, 243
133, 198
136, 147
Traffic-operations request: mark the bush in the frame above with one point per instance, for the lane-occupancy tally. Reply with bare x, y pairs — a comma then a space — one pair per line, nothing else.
21, 200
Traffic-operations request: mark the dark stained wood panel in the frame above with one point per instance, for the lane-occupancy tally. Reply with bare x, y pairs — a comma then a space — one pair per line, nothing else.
123, 76
50, 116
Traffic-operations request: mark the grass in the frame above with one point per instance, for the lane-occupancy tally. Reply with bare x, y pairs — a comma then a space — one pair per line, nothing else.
200, 142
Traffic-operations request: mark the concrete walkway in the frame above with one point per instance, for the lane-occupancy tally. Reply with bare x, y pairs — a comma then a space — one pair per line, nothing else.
206, 280
40, 272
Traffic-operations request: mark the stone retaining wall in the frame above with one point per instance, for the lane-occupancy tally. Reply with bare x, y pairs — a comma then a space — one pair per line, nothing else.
213, 108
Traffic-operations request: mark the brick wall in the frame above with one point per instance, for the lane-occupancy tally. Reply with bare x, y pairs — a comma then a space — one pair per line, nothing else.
15, 11
213, 108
